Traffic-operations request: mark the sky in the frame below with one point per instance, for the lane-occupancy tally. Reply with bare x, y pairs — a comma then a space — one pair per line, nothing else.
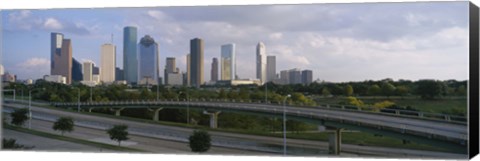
338, 42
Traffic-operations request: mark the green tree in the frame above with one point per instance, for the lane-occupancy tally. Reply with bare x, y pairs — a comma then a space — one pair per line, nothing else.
200, 141
388, 89
118, 133
402, 90
374, 90
429, 89
461, 91
12, 144
348, 90
63, 124
19, 116
325, 92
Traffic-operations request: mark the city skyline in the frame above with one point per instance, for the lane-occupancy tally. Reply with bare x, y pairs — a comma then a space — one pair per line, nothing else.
392, 51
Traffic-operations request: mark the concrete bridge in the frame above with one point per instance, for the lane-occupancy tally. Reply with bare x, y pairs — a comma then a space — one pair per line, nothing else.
433, 129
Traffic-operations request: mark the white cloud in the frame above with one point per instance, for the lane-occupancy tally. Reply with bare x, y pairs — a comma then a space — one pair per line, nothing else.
158, 15
52, 24
276, 36
35, 63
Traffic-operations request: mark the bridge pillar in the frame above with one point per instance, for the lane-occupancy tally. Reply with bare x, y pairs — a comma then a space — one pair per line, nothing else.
213, 117
334, 140
155, 114
117, 111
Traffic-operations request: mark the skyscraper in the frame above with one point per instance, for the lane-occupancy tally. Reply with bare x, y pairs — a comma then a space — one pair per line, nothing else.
148, 71
261, 63
76, 70
196, 62
130, 62
271, 68
118, 74
169, 68
61, 56
214, 70
227, 61
87, 71
107, 63
295, 76
307, 76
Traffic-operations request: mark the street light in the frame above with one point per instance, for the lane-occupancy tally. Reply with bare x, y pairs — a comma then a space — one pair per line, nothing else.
78, 106
30, 108
188, 106
285, 126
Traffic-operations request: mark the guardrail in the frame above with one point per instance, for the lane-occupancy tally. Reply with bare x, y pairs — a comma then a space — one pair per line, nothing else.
192, 102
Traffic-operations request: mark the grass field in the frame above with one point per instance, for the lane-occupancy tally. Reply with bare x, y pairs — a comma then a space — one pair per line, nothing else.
455, 106
70, 139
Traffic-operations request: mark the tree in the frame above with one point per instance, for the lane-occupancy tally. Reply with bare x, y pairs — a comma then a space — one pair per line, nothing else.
325, 92
348, 90
19, 116
63, 124
388, 89
118, 133
402, 90
200, 141
429, 89
374, 90
12, 144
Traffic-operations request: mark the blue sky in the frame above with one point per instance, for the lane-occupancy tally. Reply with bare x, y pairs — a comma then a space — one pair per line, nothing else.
339, 42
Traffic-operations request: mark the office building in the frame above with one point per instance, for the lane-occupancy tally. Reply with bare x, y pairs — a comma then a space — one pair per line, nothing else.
87, 71
170, 67
107, 63
261, 63
214, 70
61, 56
130, 62
295, 76
96, 70
174, 79
148, 71
307, 77
7, 77
76, 70
227, 62
119, 74
271, 68
55, 78
284, 77
196, 62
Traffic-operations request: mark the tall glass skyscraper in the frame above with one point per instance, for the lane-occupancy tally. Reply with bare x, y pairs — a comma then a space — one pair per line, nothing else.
148, 55
76, 70
261, 63
61, 56
227, 62
130, 61
196, 62
214, 70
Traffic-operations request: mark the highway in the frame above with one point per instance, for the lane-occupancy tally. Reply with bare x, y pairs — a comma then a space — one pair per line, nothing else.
248, 144
411, 125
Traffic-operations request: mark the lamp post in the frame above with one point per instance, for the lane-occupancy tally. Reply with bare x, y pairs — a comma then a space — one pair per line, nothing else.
30, 108
266, 93
78, 104
188, 106
91, 100
285, 126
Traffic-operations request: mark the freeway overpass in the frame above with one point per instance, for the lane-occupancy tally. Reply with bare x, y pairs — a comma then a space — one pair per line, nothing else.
443, 131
